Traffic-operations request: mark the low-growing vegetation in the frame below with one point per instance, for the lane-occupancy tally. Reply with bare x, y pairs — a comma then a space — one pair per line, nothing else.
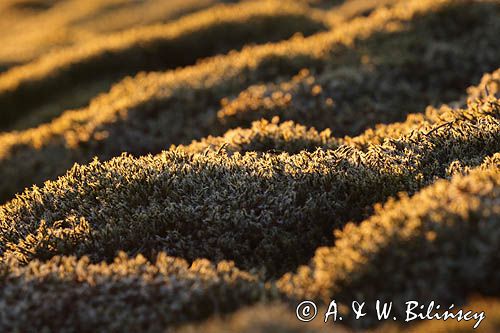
150, 48
67, 294
266, 136
453, 228
36, 27
133, 116
439, 245
354, 156
169, 208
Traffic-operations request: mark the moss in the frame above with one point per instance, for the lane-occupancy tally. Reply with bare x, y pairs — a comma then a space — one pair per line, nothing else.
69, 22
135, 114
489, 85
382, 78
265, 136
441, 244
306, 168
268, 318
416, 122
250, 208
150, 48
70, 295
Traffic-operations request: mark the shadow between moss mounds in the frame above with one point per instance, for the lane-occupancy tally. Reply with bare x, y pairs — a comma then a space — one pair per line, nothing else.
440, 245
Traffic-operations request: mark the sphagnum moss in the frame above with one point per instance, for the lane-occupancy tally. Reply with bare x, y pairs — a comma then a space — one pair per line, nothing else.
133, 116
251, 208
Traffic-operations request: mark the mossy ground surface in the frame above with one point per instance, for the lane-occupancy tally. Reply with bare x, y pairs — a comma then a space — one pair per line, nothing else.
211, 165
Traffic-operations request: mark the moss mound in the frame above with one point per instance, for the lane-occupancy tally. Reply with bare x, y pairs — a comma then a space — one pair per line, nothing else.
133, 116
445, 238
163, 202
67, 294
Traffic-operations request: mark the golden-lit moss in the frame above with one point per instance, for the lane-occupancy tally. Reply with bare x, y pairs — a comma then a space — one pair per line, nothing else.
67, 294
149, 48
419, 121
490, 85
293, 160
135, 114
265, 136
292, 137
441, 244
381, 79
251, 208
70, 22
